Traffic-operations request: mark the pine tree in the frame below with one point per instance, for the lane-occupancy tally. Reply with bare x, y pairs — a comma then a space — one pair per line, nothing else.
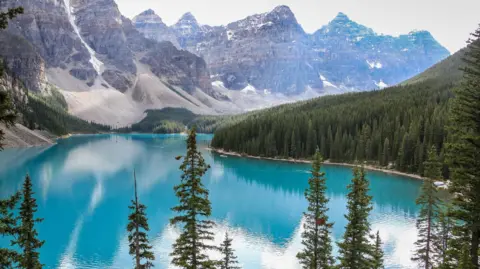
377, 257
355, 250
8, 226
193, 211
26, 235
8, 15
293, 146
137, 227
464, 148
442, 242
426, 221
7, 114
317, 248
229, 260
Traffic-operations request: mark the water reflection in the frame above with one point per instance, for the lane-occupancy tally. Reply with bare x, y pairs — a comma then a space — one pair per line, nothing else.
84, 185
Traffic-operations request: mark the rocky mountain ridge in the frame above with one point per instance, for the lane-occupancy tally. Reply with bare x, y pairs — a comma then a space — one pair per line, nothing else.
272, 53
111, 69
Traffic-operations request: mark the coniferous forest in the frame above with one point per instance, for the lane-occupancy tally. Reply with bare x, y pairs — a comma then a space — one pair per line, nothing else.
430, 126
393, 127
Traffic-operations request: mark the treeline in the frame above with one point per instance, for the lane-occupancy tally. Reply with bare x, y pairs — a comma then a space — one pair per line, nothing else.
49, 113
169, 127
157, 121
391, 127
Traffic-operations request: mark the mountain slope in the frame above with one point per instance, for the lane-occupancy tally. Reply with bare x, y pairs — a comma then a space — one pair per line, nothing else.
392, 127
271, 53
108, 71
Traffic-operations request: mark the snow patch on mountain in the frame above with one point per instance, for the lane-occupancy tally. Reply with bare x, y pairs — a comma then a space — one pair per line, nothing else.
97, 64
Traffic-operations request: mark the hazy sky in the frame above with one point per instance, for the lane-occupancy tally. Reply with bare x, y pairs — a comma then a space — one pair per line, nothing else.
449, 21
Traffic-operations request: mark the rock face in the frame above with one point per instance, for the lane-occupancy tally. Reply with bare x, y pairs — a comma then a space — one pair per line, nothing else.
271, 52
70, 35
152, 27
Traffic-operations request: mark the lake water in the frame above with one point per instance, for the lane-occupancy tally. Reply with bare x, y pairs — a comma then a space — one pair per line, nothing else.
84, 185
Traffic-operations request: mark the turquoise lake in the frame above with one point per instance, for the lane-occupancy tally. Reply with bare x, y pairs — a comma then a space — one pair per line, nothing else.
84, 185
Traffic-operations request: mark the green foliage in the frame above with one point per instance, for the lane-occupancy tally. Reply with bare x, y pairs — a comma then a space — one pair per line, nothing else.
8, 15
349, 127
464, 149
177, 116
139, 246
26, 235
355, 250
7, 113
229, 260
192, 212
8, 225
429, 206
48, 113
169, 127
377, 257
317, 247
442, 244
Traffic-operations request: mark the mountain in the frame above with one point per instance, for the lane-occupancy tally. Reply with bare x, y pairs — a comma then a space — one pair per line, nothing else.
271, 53
393, 127
106, 69
111, 70
152, 26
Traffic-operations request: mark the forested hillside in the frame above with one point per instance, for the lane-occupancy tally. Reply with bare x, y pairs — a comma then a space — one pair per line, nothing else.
393, 127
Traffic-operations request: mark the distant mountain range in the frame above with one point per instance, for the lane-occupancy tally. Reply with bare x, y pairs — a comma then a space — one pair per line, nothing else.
111, 69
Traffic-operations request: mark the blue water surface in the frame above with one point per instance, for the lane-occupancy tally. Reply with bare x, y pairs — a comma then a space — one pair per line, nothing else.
84, 185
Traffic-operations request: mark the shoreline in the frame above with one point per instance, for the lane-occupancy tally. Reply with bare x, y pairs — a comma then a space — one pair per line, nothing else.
367, 167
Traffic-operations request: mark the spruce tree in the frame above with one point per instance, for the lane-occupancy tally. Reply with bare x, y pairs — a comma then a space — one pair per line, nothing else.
355, 250
229, 260
443, 241
464, 148
317, 248
26, 234
377, 256
7, 114
139, 246
428, 202
8, 226
8, 15
193, 211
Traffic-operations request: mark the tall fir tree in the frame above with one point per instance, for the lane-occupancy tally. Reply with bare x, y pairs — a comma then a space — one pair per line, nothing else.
464, 148
8, 227
429, 206
377, 256
26, 234
355, 250
317, 247
229, 260
189, 250
443, 241
139, 246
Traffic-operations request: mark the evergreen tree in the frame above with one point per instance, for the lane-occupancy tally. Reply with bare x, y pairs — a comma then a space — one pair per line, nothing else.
293, 146
426, 221
8, 15
8, 226
26, 235
137, 227
193, 211
7, 114
377, 257
464, 148
229, 260
317, 248
442, 242
355, 250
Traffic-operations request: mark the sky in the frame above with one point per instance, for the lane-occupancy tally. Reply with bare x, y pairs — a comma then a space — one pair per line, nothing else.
449, 21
